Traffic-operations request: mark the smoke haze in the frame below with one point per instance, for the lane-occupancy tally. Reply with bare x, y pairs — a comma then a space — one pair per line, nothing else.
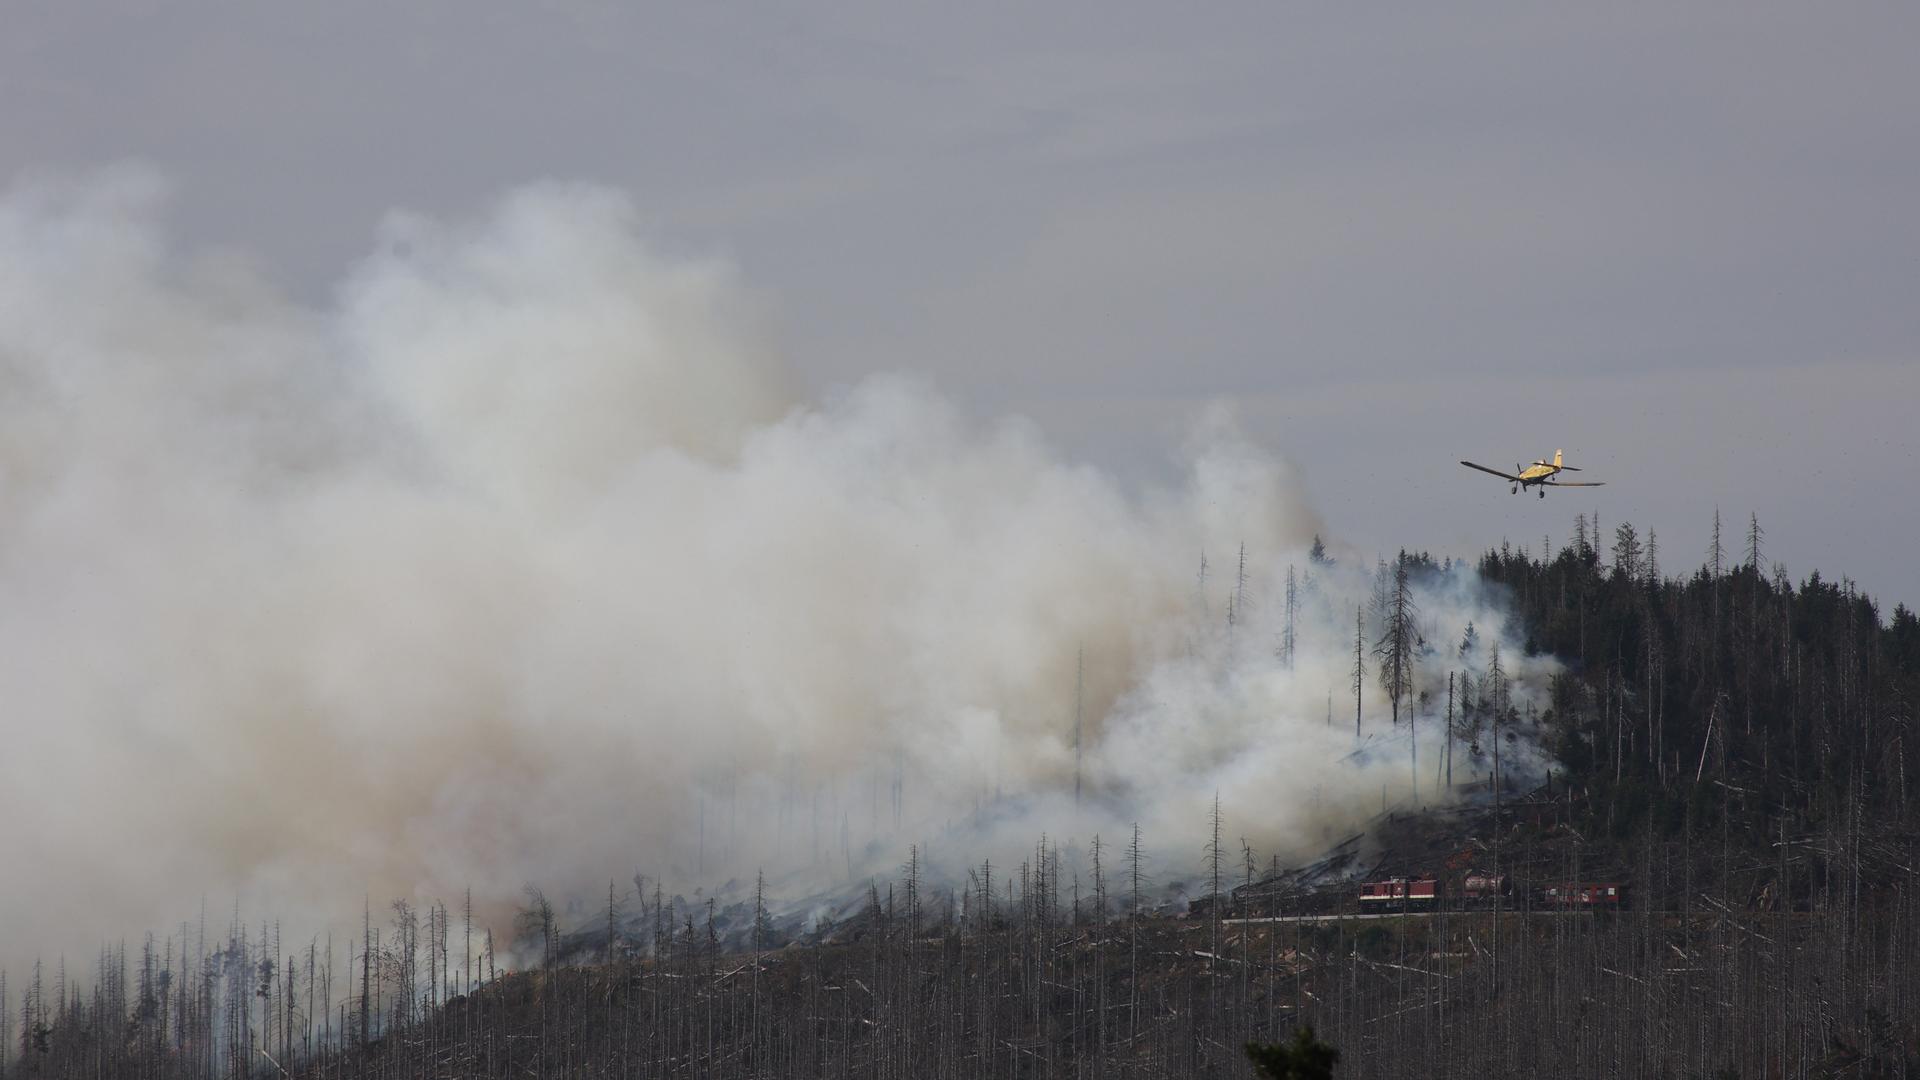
520, 561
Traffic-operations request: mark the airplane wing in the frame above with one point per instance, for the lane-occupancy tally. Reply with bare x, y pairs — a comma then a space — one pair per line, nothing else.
1496, 472
1575, 483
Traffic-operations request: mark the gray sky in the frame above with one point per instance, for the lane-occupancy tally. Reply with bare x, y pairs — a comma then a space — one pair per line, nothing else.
1678, 240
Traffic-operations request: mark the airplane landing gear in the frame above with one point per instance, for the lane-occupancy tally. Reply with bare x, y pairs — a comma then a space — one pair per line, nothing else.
1543, 493
1514, 490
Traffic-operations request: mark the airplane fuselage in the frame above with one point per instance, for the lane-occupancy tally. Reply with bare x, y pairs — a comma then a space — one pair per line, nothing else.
1540, 474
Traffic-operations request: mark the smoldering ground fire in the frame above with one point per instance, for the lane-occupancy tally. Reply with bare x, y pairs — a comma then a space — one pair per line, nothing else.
520, 559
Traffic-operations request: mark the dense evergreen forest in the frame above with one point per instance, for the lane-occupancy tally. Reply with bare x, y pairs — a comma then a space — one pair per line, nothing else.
1733, 748
1727, 696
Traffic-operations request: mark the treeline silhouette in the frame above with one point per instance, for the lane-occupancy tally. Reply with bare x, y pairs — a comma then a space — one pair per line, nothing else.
1733, 748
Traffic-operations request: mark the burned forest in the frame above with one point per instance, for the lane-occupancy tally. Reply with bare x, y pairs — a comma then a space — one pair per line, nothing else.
1710, 873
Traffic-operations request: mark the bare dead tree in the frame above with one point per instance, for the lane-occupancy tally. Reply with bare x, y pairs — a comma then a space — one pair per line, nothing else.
1359, 672
1287, 632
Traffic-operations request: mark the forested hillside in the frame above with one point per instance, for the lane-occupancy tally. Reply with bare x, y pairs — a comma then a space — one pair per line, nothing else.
1732, 748
1728, 692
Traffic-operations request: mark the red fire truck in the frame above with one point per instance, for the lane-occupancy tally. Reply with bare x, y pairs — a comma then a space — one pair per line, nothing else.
1483, 889
1400, 894
1585, 894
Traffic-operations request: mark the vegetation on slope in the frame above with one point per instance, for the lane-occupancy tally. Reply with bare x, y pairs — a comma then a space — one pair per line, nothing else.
1734, 747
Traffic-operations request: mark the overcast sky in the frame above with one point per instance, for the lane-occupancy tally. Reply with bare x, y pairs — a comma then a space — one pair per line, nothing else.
1681, 241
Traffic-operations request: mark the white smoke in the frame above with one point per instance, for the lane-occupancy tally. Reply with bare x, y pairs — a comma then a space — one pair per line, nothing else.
520, 562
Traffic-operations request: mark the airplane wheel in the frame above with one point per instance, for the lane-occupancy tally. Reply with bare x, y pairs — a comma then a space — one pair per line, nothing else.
1543, 493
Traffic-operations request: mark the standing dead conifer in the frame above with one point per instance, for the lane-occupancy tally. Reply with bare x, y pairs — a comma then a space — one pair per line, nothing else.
759, 944
1359, 672
612, 931
1287, 625
913, 889
1497, 698
1214, 855
1237, 605
366, 970
1133, 934
1200, 586
1099, 885
466, 953
1079, 709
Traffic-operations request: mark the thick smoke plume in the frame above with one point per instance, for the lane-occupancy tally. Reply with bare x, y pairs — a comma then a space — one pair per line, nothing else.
519, 561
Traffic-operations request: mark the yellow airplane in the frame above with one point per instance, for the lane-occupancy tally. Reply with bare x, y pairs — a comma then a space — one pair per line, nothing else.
1540, 474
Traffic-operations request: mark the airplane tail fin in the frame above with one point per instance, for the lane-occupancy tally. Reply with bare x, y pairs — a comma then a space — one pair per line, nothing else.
1556, 459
